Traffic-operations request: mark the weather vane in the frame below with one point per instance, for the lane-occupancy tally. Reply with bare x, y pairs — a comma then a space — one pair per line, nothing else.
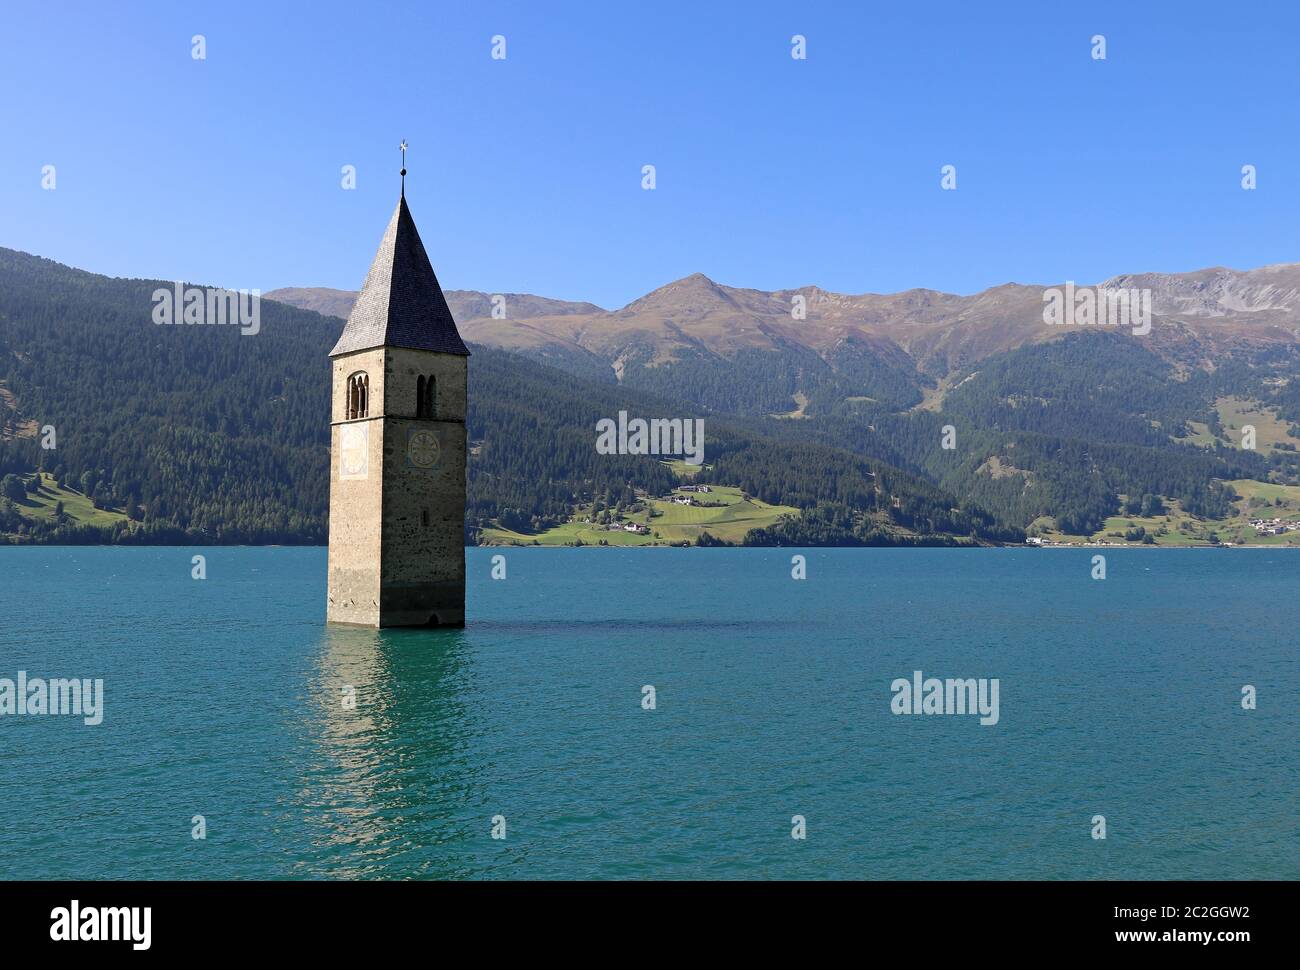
403, 166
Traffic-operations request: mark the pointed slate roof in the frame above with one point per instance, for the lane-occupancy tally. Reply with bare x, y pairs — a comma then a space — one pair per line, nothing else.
401, 304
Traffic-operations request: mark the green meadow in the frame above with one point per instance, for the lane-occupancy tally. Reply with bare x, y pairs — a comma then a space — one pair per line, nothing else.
1234, 414
729, 520
1177, 528
43, 504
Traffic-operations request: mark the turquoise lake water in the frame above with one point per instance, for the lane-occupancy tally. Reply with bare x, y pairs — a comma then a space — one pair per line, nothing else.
224, 698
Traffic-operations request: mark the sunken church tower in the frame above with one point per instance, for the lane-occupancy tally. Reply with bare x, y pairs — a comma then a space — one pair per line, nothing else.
397, 445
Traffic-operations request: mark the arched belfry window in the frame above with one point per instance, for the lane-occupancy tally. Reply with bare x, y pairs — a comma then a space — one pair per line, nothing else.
426, 397
358, 403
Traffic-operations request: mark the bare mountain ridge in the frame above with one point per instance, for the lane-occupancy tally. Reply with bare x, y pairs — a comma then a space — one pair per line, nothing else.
465, 304
1199, 317
1218, 292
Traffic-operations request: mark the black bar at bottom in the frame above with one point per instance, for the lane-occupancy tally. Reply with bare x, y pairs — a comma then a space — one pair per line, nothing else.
335, 919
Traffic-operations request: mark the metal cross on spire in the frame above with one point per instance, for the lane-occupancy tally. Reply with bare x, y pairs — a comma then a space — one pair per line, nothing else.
403, 167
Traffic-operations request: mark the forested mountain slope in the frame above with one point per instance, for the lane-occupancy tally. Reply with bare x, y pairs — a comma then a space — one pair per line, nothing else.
207, 434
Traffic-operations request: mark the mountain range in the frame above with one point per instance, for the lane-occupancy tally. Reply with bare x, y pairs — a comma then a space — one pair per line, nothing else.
902, 347
912, 418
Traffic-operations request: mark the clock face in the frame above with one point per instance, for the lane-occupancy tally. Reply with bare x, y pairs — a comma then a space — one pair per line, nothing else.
354, 451
422, 448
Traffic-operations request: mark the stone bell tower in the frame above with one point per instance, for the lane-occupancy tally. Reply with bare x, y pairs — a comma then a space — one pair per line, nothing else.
397, 446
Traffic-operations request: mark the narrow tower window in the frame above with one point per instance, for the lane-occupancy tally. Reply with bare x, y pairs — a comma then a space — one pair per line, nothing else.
425, 396
358, 402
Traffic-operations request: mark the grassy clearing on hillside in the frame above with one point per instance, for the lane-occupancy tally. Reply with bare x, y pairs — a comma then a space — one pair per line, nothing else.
683, 469
42, 505
1201, 435
1177, 528
1234, 414
729, 521
800, 411
932, 397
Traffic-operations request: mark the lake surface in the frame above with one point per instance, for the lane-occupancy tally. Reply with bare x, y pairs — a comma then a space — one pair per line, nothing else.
224, 698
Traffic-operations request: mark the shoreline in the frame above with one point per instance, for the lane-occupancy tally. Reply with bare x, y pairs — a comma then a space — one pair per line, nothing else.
662, 545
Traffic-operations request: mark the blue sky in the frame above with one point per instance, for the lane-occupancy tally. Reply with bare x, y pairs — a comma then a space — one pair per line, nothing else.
525, 174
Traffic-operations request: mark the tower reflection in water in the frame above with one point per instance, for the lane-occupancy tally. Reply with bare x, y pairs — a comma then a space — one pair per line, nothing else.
390, 788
